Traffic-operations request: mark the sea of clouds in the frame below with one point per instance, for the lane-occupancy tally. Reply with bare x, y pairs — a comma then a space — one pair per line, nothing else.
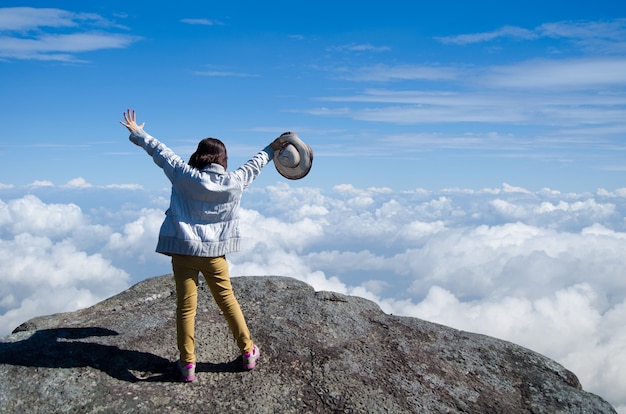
542, 269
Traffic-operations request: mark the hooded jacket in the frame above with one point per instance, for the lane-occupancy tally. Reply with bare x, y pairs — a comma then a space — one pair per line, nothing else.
203, 217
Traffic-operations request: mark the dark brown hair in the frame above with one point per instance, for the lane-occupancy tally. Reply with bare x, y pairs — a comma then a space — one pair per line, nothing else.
210, 150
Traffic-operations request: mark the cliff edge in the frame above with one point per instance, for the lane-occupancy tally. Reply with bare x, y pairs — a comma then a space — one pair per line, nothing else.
321, 352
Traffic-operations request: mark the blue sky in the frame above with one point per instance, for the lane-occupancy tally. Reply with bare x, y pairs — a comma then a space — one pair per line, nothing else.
444, 94
469, 157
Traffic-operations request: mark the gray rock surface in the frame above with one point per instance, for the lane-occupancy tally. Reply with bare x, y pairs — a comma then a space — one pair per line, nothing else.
321, 352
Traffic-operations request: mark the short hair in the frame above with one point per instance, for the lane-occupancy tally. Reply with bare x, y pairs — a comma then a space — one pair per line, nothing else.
210, 150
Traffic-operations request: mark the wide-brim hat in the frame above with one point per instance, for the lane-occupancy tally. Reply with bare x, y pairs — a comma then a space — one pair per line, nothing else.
295, 159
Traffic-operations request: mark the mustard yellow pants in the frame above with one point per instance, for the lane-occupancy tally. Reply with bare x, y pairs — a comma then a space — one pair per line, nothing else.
215, 271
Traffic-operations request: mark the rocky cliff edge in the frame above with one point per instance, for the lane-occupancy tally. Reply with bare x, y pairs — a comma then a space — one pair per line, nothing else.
321, 352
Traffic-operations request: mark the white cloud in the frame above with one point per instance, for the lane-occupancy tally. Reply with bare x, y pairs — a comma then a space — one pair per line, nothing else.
29, 34
78, 182
566, 325
507, 188
55, 248
136, 240
31, 216
29, 18
44, 270
42, 183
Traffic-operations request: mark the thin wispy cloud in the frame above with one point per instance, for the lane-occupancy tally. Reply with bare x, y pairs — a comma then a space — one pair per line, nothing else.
30, 18
359, 47
506, 32
568, 109
611, 30
224, 73
573, 74
131, 187
29, 33
585, 33
202, 22
386, 73
76, 183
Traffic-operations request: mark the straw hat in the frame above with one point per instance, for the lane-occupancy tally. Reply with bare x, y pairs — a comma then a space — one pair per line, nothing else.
294, 161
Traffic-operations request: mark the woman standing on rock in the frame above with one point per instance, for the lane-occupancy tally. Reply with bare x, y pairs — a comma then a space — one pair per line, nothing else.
200, 227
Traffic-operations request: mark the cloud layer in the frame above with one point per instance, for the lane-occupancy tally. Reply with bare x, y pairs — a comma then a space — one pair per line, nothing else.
542, 269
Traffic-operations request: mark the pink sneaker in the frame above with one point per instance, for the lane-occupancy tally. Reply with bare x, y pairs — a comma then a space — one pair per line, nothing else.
250, 358
188, 372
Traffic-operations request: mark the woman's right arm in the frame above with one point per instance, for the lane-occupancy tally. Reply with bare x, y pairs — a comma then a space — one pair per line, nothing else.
163, 156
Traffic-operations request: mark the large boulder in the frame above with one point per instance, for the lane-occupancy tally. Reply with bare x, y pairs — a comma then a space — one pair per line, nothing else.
321, 352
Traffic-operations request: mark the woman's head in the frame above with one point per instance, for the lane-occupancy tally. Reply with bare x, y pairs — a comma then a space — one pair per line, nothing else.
210, 150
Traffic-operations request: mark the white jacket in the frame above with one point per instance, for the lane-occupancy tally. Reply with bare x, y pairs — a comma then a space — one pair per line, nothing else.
203, 217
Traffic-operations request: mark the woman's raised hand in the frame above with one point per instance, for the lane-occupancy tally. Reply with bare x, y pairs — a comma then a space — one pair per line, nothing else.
130, 121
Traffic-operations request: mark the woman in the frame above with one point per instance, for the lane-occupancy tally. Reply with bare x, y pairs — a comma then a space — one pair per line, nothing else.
201, 226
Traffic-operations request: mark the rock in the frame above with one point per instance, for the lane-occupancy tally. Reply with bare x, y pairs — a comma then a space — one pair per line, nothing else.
321, 352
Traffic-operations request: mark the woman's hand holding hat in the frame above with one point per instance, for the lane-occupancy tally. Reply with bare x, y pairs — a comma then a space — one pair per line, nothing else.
292, 157
279, 143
